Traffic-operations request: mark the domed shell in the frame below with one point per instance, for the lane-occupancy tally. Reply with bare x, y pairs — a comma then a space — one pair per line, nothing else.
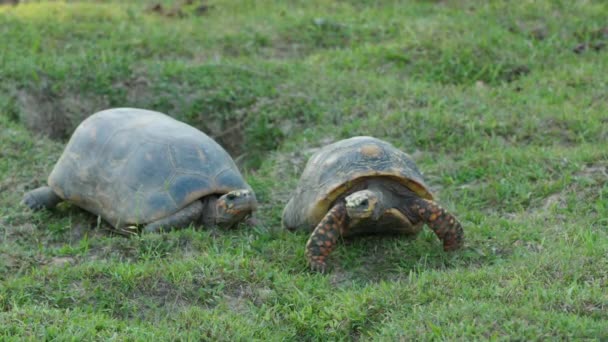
134, 166
337, 167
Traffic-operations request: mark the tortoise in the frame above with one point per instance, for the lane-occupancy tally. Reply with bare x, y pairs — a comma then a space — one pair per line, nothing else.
363, 185
136, 167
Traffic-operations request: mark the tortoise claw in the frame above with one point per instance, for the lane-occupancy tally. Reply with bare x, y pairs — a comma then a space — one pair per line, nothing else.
318, 266
454, 246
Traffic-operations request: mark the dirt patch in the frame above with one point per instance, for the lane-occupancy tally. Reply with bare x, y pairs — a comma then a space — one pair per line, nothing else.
535, 29
8, 266
244, 109
163, 293
587, 182
239, 296
514, 72
594, 40
555, 200
547, 131
339, 277
14, 261
159, 294
181, 9
594, 46
464, 65
61, 261
40, 114
594, 172
10, 182
135, 248
54, 114
531, 246
22, 232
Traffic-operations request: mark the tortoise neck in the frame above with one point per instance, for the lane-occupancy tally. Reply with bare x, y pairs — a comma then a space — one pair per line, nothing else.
210, 214
395, 195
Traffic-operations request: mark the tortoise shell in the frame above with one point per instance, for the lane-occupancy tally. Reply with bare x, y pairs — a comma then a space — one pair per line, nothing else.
134, 166
336, 168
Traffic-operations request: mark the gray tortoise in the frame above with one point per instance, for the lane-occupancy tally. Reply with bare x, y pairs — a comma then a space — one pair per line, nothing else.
139, 167
363, 185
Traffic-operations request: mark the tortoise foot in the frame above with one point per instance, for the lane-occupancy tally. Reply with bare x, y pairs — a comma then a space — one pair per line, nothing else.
318, 266
41, 198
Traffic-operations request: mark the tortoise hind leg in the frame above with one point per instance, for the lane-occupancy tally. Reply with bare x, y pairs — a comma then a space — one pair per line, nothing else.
325, 236
181, 219
445, 225
41, 198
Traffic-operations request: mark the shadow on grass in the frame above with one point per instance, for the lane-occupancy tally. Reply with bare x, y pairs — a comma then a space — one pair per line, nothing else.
381, 258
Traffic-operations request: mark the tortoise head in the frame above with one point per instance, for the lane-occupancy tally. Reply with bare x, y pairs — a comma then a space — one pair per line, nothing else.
234, 206
364, 204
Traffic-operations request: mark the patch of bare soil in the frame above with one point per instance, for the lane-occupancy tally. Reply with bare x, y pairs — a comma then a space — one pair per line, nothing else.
61, 261
536, 30
162, 293
55, 115
596, 40
339, 276
596, 172
159, 294
587, 182
19, 252
554, 130
13, 183
14, 261
22, 232
239, 296
531, 246
182, 9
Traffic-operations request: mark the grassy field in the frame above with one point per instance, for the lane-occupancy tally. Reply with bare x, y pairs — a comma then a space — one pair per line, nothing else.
503, 104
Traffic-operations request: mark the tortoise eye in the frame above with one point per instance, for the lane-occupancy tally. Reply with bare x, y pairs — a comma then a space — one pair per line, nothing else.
230, 197
364, 203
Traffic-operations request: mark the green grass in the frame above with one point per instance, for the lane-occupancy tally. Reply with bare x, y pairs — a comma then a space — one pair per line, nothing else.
503, 105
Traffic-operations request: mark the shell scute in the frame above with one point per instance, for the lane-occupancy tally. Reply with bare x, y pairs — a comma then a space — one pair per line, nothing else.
149, 168
190, 158
182, 185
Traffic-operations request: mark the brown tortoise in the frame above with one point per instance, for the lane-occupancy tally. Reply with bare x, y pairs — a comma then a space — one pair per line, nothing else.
364, 185
139, 167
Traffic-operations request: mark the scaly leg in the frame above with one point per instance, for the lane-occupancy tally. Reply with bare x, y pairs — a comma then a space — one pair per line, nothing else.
445, 225
181, 219
325, 237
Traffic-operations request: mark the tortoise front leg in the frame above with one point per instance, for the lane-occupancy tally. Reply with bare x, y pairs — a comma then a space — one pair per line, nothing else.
181, 219
325, 237
445, 225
